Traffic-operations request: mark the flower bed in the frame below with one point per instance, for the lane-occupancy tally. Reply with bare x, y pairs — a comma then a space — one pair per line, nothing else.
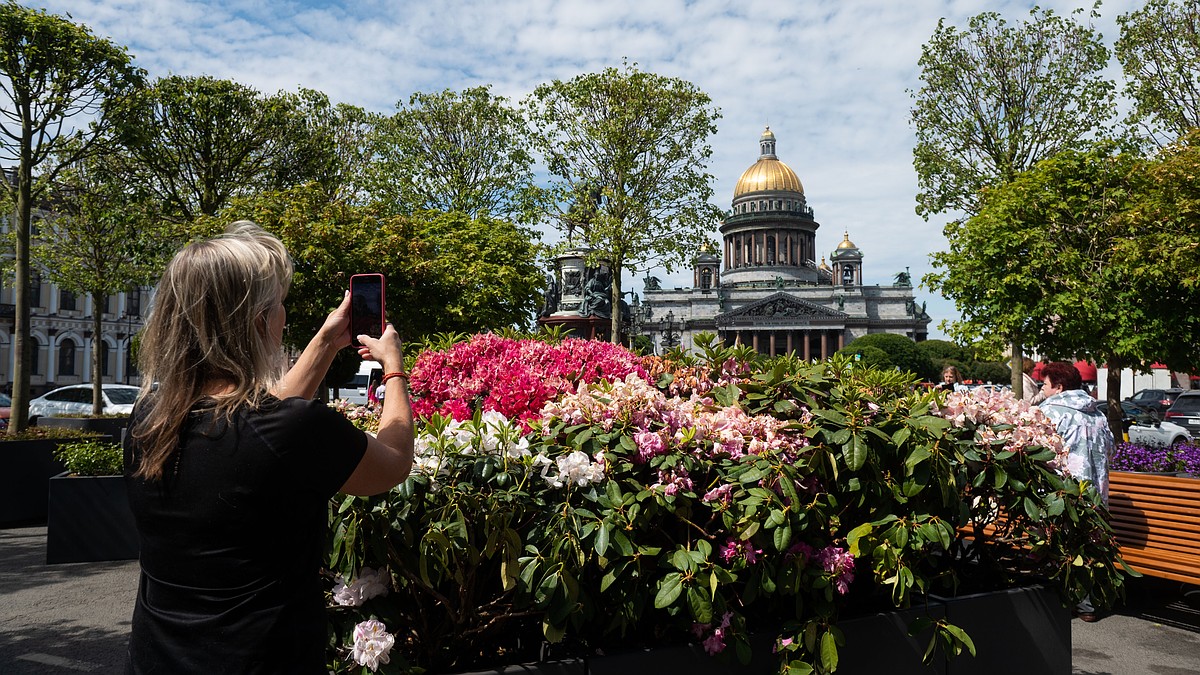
1181, 458
597, 509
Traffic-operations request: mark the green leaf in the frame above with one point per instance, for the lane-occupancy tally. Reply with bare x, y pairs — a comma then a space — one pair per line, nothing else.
829, 652
783, 538
601, 545
668, 590
855, 453
918, 455
699, 604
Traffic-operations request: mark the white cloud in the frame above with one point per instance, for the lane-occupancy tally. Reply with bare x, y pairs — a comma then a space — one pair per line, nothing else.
829, 76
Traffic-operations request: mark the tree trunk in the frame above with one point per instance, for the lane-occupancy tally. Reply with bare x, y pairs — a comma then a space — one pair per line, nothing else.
1018, 370
19, 418
1115, 413
615, 331
97, 354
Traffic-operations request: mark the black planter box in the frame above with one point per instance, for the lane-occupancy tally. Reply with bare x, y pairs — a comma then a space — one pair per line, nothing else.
1021, 630
1018, 630
27, 466
89, 520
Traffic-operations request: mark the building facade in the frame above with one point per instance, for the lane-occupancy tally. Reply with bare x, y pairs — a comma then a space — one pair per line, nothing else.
767, 289
61, 331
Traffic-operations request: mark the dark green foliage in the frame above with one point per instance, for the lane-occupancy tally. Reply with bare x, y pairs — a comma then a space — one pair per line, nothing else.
989, 371
901, 352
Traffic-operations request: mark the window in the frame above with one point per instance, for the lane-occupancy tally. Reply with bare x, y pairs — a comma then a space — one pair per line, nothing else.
770, 250
66, 300
130, 364
104, 359
133, 303
66, 357
35, 362
35, 290
706, 277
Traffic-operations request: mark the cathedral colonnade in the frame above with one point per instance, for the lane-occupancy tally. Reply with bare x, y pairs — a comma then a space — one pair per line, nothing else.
807, 343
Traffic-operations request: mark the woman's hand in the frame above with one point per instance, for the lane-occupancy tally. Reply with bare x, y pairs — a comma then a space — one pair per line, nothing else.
387, 349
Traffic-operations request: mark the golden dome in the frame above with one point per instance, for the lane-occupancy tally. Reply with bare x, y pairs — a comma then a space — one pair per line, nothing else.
846, 243
768, 174
823, 265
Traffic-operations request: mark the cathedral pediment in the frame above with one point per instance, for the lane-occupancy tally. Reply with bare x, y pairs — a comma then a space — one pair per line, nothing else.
779, 308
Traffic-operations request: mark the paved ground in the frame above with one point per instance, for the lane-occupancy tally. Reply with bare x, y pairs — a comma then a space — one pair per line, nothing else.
60, 619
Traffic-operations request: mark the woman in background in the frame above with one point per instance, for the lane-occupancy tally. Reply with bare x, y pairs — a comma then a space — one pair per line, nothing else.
230, 464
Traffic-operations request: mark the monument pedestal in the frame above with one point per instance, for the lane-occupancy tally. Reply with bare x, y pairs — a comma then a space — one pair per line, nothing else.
586, 327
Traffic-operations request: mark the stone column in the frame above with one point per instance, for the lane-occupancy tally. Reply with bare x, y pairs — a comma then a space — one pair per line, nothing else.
772, 342
790, 348
754, 340
824, 345
807, 345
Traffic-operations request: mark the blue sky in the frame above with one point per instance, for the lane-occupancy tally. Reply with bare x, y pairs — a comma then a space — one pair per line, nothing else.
829, 76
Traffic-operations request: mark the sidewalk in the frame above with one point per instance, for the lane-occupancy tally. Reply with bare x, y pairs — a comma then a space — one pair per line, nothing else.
58, 619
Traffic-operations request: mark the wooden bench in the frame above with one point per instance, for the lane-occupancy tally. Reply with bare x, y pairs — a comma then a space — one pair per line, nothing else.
1156, 519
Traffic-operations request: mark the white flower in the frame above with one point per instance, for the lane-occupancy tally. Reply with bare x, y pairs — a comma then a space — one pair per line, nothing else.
576, 468
517, 450
372, 643
369, 584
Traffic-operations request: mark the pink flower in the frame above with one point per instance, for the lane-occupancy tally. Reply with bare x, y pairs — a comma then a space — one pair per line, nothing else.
735, 550
799, 550
722, 493
839, 563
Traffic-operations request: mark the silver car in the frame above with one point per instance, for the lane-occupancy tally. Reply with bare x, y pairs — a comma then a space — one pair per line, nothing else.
76, 399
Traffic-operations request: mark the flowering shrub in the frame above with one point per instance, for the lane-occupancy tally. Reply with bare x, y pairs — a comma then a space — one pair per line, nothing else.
511, 376
1184, 457
729, 495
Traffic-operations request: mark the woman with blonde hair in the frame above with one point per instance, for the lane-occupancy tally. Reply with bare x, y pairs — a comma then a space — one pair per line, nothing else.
230, 464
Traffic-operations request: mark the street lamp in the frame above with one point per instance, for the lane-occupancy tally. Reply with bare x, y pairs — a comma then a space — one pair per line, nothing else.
670, 334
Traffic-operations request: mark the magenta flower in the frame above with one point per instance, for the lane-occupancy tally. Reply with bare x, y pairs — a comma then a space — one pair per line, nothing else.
839, 563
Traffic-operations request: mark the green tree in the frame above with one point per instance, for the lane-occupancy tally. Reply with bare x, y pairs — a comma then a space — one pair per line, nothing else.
333, 147
988, 371
628, 152
1159, 50
901, 353
197, 142
996, 99
1159, 260
1039, 260
54, 74
455, 151
944, 349
102, 239
486, 271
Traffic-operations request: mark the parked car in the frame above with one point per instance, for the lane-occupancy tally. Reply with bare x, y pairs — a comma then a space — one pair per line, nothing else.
1155, 400
5, 410
76, 399
1130, 413
1158, 433
1186, 412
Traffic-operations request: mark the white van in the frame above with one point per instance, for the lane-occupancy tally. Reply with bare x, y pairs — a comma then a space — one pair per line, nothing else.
355, 390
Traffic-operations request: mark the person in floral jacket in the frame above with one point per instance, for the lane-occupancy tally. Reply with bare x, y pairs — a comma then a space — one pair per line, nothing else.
1083, 428
1085, 432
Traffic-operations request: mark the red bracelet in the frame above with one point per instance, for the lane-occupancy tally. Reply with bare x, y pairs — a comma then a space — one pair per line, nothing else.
403, 376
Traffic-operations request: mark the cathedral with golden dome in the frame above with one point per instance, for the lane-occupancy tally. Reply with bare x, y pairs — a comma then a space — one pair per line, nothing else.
767, 289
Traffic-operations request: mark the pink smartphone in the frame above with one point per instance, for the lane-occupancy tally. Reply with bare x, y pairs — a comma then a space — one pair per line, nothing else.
367, 308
